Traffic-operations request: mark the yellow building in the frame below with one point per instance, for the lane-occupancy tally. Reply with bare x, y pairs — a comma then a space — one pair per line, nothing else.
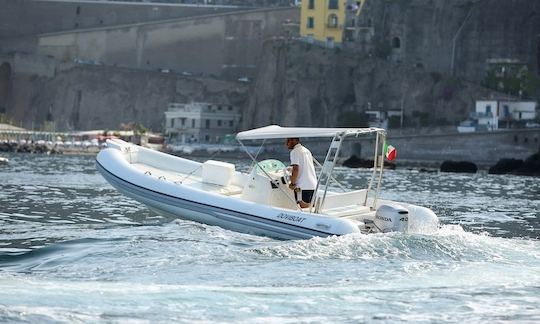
324, 21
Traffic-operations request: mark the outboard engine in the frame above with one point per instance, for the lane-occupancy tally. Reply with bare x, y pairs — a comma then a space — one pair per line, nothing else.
391, 219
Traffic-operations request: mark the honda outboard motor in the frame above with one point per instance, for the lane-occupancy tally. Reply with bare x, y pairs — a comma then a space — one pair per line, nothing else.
391, 219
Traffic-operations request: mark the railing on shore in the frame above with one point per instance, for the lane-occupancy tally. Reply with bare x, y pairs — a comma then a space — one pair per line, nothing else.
46, 142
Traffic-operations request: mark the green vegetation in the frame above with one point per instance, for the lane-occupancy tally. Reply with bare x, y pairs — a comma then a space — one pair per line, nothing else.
352, 119
3, 118
513, 80
136, 127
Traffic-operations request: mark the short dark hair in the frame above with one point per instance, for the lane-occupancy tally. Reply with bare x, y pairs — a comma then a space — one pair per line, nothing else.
294, 138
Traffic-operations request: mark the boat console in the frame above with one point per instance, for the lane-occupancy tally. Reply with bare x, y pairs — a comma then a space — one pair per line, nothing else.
268, 185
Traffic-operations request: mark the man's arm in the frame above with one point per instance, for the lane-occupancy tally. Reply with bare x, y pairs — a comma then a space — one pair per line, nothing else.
294, 176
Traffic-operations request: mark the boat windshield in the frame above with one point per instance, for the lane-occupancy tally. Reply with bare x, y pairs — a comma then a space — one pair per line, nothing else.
270, 166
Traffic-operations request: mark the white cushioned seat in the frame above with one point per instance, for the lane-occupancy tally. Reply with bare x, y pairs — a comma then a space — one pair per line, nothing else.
217, 172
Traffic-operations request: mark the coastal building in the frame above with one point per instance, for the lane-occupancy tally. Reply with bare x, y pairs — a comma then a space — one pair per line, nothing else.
199, 122
381, 118
329, 22
495, 114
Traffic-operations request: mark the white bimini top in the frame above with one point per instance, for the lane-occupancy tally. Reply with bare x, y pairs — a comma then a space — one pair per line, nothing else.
301, 156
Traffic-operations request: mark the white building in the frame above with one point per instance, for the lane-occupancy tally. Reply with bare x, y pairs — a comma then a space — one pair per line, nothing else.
486, 114
490, 113
379, 118
518, 110
200, 122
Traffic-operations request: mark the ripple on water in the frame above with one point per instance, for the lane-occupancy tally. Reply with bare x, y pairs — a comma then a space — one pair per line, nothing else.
73, 249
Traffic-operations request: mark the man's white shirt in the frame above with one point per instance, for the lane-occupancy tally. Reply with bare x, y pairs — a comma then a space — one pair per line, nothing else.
301, 156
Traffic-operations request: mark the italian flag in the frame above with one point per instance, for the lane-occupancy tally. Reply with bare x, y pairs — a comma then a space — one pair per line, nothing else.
390, 152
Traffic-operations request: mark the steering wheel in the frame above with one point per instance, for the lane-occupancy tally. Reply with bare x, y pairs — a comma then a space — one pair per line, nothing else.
286, 174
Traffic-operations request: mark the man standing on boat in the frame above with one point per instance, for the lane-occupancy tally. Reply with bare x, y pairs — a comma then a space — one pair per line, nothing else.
303, 176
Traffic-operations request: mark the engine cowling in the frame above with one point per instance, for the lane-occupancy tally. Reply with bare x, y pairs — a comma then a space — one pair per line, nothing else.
391, 219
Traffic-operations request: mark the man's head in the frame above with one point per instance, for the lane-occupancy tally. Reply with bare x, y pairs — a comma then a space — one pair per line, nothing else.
291, 142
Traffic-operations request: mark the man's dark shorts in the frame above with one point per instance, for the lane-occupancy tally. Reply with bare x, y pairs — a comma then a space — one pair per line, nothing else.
307, 195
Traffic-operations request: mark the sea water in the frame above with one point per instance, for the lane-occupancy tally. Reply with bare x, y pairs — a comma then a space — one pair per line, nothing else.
72, 249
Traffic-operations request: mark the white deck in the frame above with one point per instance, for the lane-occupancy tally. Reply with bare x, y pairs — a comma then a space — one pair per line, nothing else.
192, 181
338, 205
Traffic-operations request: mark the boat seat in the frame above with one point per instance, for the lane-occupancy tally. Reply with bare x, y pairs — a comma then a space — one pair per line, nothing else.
217, 172
344, 211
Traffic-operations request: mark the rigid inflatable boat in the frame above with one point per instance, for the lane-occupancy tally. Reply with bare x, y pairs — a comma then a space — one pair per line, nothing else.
260, 201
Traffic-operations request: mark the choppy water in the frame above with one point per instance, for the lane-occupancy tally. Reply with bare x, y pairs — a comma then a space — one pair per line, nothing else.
72, 249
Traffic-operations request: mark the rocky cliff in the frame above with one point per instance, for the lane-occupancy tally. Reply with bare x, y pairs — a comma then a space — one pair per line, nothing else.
455, 37
301, 84
83, 97
426, 58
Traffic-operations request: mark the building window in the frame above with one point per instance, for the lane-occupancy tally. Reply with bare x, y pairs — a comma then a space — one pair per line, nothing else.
230, 108
506, 111
172, 122
311, 4
207, 138
78, 12
310, 22
333, 4
207, 123
219, 122
193, 123
332, 21
396, 42
231, 123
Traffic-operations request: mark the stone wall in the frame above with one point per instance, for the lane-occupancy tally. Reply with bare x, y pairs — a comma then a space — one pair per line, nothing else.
482, 148
20, 18
225, 45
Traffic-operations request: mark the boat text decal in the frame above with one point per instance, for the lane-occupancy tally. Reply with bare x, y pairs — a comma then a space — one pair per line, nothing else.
292, 218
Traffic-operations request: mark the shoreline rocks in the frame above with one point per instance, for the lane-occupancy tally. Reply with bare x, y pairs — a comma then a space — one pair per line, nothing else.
39, 148
356, 162
505, 166
458, 167
528, 167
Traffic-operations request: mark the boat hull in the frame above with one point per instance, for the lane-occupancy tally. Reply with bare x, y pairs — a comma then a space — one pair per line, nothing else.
207, 213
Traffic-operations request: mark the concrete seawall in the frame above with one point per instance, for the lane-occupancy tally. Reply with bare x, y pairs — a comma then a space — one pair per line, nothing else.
223, 44
481, 148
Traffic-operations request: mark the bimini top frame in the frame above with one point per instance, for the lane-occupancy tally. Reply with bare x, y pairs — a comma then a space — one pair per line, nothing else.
277, 132
337, 135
